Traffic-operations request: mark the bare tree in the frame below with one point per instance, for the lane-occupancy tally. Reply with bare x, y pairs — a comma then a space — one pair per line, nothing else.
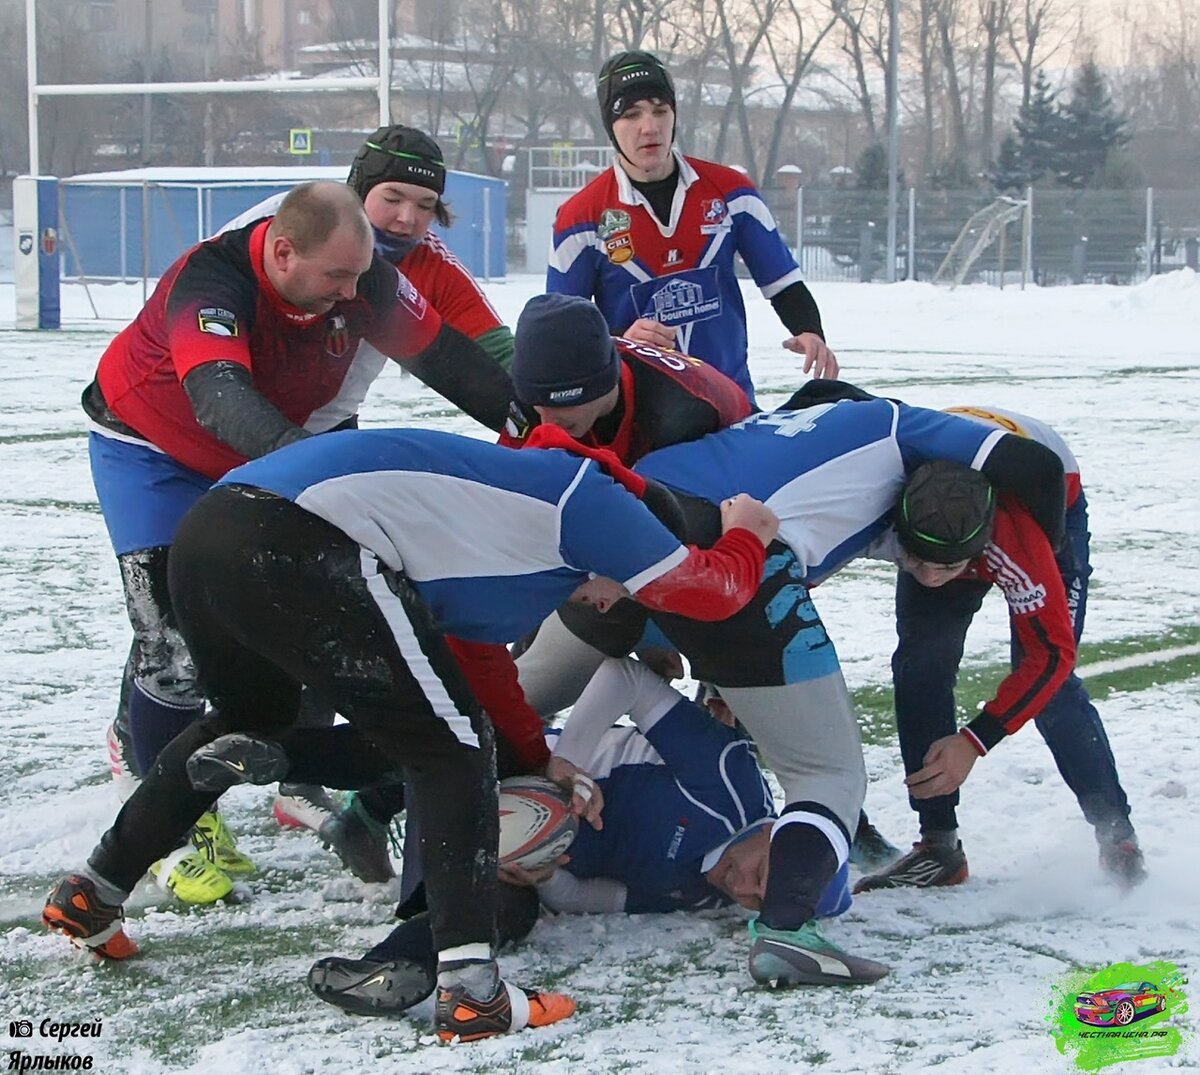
993, 23
791, 46
865, 25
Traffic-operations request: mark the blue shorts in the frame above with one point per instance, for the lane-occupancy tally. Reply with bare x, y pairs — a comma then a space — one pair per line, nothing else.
143, 492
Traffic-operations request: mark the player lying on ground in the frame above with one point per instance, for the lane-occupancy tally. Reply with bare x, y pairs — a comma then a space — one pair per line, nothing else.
337, 563
677, 762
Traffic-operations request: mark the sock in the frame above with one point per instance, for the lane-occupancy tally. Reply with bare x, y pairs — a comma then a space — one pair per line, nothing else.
106, 890
470, 966
153, 724
808, 845
946, 839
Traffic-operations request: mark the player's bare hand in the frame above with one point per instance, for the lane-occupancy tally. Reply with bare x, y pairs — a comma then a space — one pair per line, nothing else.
587, 800
750, 514
647, 330
947, 764
818, 359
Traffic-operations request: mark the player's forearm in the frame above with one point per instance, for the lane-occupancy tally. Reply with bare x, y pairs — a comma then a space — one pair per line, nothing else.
711, 584
797, 309
457, 367
227, 404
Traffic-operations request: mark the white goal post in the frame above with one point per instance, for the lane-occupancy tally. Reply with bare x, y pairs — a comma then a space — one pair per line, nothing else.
381, 84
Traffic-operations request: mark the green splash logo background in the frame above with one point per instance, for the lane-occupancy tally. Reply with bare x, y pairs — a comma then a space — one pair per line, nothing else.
1103, 1046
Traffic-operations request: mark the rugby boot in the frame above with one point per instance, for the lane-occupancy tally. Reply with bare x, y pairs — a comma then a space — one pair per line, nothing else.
360, 841
371, 986
871, 850
236, 759
189, 875
459, 1015
791, 957
212, 838
925, 866
1122, 861
75, 910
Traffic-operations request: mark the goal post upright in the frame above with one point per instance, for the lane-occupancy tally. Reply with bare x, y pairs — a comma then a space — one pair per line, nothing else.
35, 91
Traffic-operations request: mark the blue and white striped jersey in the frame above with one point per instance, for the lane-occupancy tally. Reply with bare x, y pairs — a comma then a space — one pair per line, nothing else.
493, 539
831, 473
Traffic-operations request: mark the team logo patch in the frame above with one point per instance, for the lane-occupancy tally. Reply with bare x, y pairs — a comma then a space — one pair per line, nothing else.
613, 221
25, 242
619, 248
217, 321
714, 210
673, 257
409, 295
337, 336
691, 295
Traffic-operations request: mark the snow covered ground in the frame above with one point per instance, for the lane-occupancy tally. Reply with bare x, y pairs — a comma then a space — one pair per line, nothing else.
1117, 370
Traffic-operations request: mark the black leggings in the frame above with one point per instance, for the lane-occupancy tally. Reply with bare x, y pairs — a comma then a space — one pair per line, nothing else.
270, 597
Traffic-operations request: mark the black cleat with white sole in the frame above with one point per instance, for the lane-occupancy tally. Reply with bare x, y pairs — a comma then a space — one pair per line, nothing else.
236, 759
369, 986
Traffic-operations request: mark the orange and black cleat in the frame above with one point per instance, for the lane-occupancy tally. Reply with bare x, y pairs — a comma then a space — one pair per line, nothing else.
459, 1015
74, 909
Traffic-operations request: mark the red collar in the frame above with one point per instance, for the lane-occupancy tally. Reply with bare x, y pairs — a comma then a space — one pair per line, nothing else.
258, 244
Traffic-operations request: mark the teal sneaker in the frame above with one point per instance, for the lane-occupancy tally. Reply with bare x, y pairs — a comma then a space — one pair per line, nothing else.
784, 958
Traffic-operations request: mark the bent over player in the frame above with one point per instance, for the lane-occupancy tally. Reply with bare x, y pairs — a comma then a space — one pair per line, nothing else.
337, 563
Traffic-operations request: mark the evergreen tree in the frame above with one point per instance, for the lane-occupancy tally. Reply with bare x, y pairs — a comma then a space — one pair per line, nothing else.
871, 168
1008, 173
1092, 127
1039, 128
952, 173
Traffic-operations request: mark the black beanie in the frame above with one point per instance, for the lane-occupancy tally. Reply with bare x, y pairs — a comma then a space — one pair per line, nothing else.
945, 513
628, 77
564, 353
398, 154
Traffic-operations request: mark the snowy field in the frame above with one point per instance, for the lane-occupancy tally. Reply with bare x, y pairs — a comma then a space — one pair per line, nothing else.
1117, 370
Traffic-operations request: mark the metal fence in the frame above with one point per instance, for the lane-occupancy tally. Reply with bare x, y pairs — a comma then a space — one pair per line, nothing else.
1056, 237
1062, 237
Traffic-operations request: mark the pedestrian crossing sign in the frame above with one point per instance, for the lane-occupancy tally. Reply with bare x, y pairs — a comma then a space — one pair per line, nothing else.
300, 140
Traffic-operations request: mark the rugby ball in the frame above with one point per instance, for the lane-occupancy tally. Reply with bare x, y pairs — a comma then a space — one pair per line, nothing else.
536, 823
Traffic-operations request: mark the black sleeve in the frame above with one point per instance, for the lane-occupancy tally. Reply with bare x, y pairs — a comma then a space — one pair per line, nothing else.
1034, 474
797, 309
228, 405
456, 367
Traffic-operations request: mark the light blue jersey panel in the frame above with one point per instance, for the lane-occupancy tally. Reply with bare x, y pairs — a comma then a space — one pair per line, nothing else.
493, 539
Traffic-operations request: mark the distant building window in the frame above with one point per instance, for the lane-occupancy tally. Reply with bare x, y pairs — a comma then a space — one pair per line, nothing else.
304, 18
102, 16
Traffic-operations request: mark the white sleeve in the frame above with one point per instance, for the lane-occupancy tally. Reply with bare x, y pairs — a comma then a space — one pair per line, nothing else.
618, 687
567, 894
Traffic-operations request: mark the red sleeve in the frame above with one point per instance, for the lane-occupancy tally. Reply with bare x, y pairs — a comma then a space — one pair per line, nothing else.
407, 322
209, 315
492, 676
445, 282
1020, 561
711, 584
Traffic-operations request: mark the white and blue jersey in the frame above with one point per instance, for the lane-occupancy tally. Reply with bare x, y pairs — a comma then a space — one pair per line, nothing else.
671, 797
831, 473
493, 540
678, 789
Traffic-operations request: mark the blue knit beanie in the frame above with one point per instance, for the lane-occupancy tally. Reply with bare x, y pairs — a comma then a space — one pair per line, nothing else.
564, 353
